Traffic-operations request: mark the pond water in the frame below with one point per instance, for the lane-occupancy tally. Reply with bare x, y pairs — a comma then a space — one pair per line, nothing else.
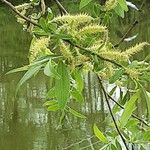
24, 122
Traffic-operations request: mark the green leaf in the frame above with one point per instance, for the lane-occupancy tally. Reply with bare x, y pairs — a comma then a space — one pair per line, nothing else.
50, 71
112, 91
77, 95
51, 102
24, 68
75, 113
119, 11
123, 4
62, 85
99, 134
118, 145
32, 71
113, 147
79, 80
54, 107
116, 76
51, 93
83, 3
146, 96
129, 108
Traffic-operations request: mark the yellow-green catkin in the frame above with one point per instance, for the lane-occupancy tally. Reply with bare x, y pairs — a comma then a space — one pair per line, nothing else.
38, 48
110, 4
73, 19
92, 29
135, 49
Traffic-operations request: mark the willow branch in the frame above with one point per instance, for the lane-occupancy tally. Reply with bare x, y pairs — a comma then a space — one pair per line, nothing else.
111, 113
93, 53
61, 7
133, 115
19, 14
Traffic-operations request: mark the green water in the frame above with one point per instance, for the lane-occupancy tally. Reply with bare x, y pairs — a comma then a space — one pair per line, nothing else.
24, 123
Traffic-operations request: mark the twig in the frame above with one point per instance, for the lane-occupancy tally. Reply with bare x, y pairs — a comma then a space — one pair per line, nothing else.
93, 53
111, 113
130, 28
133, 115
43, 7
19, 14
127, 32
61, 7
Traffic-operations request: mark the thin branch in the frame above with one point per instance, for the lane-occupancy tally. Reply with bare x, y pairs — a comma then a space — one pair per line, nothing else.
130, 28
19, 14
61, 7
111, 113
127, 32
43, 7
133, 115
93, 53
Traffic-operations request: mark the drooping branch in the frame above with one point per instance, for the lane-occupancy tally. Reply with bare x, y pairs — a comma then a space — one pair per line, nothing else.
19, 14
111, 113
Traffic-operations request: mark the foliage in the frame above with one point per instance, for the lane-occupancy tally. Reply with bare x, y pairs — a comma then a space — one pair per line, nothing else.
66, 46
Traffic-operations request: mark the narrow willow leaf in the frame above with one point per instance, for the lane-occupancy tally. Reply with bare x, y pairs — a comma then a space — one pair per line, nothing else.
54, 107
119, 11
129, 108
123, 4
50, 71
79, 80
146, 96
83, 3
118, 145
62, 85
113, 147
112, 91
51, 102
130, 4
31, 72
51, 93
75, 113
24, 68
77, 95
116, 76
99, 134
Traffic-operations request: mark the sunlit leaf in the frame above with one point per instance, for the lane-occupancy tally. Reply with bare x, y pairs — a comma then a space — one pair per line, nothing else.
129, 108
130, 4
54, 107
62, 85
50, 71
99, 134
77, 95
83, 3
119, 11
123, 4
79, 80
75, 113
51, 102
